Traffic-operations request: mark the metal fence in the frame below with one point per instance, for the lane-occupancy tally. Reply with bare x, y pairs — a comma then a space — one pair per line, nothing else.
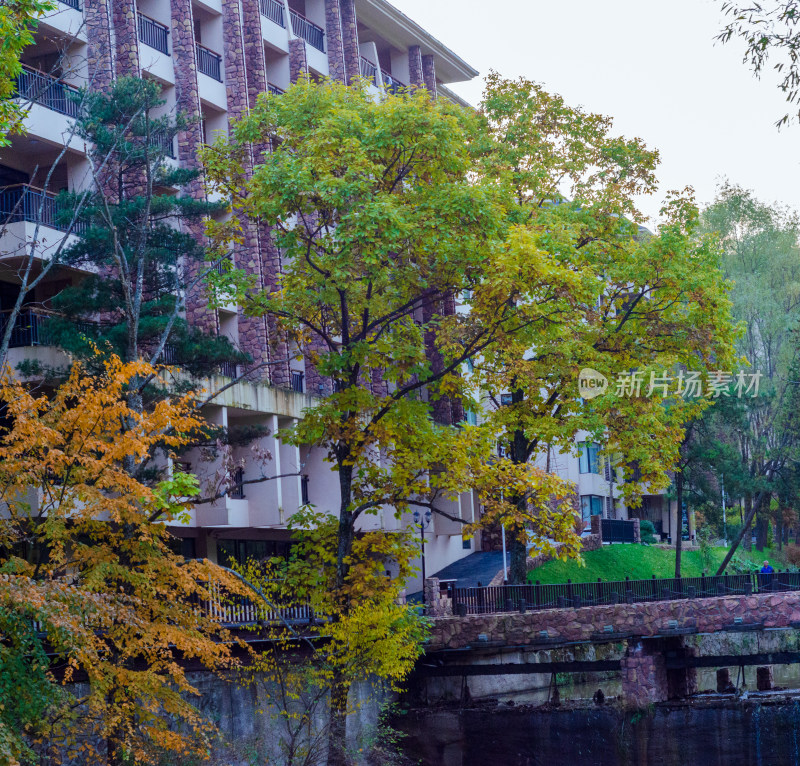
209, 62
152, 33
308, 30
618, 531
48, 91
20, 202
392, 84
508, 598
369, 70
72, 4
275, 90
273, 10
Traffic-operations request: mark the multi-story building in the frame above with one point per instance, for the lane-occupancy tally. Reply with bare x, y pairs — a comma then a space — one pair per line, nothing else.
212, 58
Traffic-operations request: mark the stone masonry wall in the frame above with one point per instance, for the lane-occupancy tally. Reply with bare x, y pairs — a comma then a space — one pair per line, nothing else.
706, 615
126, 38
350, 51
415, 76
98, 33
335, 47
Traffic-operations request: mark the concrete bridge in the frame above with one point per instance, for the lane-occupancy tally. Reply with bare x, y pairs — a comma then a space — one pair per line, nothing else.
657, 646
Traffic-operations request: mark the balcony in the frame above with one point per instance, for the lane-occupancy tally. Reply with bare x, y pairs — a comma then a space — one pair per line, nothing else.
273, 10
22, 202
72, 4
392, 84
308, 30
297, 382
275, 90
30, 329
162, 141
209, 63
48, 91
153, 33
369, 70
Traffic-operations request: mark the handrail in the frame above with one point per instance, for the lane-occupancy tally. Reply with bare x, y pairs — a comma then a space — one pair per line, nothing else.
273, 10
368, 70
570, 595
48, 91
392, 84
314, 35
152, 33
23, 202
209, 62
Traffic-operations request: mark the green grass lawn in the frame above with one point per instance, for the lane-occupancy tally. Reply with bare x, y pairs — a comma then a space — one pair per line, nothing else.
639, 562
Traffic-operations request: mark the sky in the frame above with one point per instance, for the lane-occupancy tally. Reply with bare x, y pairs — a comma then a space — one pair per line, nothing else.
652, 65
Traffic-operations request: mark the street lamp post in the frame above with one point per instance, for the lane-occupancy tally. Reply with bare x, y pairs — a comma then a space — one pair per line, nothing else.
423, 519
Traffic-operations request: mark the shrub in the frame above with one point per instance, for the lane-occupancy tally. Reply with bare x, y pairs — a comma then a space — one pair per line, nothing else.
648, 531
792, 553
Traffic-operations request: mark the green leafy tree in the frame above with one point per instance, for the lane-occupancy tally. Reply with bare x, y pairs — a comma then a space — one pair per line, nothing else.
383, 222
592, 289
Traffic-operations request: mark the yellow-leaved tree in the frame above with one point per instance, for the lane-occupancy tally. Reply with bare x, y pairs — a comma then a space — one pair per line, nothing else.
95, 608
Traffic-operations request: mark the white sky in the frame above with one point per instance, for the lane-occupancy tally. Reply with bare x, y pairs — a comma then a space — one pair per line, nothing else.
652, 65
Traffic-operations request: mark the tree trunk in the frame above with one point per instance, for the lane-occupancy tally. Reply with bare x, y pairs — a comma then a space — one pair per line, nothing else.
762, 529
517, 538
337, 731
679, 533
742, 532
748, 508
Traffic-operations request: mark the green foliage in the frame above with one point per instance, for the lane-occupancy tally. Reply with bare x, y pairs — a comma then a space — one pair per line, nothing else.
18, 21
647, 531
138, 239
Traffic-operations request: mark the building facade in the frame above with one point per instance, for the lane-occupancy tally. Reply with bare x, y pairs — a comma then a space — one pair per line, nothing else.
212, 58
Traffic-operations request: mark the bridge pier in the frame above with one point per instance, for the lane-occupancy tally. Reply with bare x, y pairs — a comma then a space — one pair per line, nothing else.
645, 677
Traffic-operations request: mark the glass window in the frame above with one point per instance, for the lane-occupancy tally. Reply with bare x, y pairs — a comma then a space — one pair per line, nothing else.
588, 460
591, 505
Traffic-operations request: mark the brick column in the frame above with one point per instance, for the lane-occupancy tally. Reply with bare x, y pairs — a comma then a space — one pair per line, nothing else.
350, 52
644, 675
333, 31
415, 76
596, 522
298, 63
429, 74
438, 604
123, 13
98, 33
187, 100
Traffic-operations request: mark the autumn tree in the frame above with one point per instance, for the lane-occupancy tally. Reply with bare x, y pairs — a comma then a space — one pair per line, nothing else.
382, 222
91, 590
618, 299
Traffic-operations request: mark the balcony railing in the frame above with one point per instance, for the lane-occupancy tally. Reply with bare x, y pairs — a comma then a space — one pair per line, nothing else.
27, 203
392, 84
308, 30
72, 4
229, 369
164, 142
297, 382
48, 91
236, 491
30, 329
273, 10
369, 70
275, 90
153, 33
208, 62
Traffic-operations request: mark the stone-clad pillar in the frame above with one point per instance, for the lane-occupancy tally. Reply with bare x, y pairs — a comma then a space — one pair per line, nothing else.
187, 100
98, 33
429, 74
352, 56
254, 60
333, 31
298, 63
126, 39
644, 674
415, 76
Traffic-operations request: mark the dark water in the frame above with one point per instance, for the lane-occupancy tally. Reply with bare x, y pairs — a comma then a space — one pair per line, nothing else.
704, 733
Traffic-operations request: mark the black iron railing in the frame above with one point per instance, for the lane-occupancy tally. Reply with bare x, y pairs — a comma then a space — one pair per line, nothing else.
72, 4
229, 369
273, 10
236, 491
298, 382
47, 91
369, 70
30, 329
275, 90
22, 202
618, 531
392, 84
567, 595
164, 141
308, 30
208, 62
152, 33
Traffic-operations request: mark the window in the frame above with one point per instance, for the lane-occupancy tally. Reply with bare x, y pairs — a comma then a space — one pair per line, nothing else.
506, 399
588, 461
472, 418
241, 551
466, 544
591, 505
